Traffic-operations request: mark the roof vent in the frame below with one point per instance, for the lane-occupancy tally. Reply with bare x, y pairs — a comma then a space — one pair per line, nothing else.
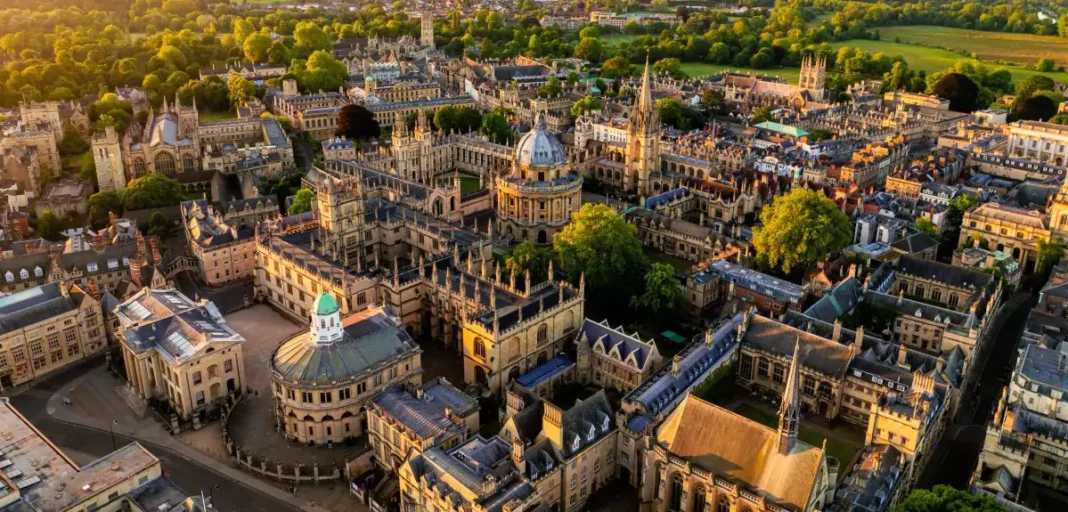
87, 487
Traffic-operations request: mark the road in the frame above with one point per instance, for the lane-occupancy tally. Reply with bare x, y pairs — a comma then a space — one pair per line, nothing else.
231, 496
963, 440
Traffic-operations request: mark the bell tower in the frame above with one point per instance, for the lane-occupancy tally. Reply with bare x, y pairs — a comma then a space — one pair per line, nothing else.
643, 141
426, 33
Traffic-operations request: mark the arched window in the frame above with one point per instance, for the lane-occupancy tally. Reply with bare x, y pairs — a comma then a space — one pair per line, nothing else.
165, 164
188, 165
698, 503
139, 167
543, 333
676, 492
953, 300
919, 291
936, 295
480, 348
723, 504
480, 375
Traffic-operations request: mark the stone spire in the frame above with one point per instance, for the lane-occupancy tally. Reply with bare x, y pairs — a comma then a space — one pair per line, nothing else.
790, 411
644, 117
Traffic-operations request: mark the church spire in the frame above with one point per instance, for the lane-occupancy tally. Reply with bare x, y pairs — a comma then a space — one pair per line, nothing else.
644, 118
790, 411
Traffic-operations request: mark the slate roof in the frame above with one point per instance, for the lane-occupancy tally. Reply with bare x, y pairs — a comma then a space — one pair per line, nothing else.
585, 423
371, 338
545, 371
175, 327
616, 341
757, 281
425, 414
467, 466
914, 243
741, 450
819, 353
954, 276
27, 307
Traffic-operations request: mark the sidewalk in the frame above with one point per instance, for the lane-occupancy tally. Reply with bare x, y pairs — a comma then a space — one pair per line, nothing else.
93, 407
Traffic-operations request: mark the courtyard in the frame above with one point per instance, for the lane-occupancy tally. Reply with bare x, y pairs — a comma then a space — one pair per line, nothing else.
252, 424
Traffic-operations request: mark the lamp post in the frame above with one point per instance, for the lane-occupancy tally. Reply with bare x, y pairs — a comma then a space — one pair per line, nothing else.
111, 429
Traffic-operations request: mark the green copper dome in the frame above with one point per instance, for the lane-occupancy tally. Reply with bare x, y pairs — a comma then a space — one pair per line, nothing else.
325, 305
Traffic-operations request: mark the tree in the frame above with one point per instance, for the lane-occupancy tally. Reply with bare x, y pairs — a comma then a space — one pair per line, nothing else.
239, 89
357, 123
957, 206
151, 191
587, 104
1045, 65
663, 298
103, 203
1036, 108
310, 37
927, 227
603, 247
256, 47
714, 100
961, 91
158, 225
1034, 83
616, 67
1049, 255
48, 226
800, 228
322, 72
459, 119
943, 498
670, 111
302, 202
671, 66
73, 143
761, 114
527, 256
496, 127
551, 88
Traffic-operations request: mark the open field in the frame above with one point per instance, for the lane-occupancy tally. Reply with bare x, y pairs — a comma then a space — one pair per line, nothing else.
614, 40
987, 46
695, 69
934, 59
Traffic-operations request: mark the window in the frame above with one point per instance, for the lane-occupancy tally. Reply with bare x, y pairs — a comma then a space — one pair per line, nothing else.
780, 373
197, 378
344, 394
480, 348
18, 354
53, 341
326, 397
361, 388
71, 336
305, 397
543, 333
200, 398
291, 395
228, 365
36, 349
762, 368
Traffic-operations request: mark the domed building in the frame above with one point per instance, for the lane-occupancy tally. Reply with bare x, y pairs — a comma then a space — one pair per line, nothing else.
325, 378
538, 197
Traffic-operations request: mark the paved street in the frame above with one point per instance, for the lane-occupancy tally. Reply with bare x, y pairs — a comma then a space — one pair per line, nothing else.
189, 475
963, 440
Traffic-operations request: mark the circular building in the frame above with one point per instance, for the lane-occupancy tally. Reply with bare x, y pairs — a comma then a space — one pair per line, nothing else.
538, 197
324, 379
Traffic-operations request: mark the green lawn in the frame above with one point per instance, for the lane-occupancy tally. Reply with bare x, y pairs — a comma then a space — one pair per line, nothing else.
987, 46
680, 264
468, 184
206, 116
933, 59
836, 447
614, 40
695, 69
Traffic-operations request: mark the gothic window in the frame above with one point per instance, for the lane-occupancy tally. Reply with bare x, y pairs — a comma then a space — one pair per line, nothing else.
480, 375
139, 167
698, 504
187, 164
762, 368
936, 295
953, 301
543, 333
780, 373
676, 492
723, 504
480, 348
165, 164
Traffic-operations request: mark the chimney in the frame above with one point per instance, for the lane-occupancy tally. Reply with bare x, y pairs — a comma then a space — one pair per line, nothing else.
517, 455
676, 366
900, 296
902, 356
859, 338
837, 330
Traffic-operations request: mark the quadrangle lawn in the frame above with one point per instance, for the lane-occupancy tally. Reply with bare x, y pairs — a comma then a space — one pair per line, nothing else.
695, 69
838, 448
206, 115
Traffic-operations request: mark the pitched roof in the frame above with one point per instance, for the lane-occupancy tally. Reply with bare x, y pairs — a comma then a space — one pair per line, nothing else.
609, 339
742, 450
821, 354
954, 276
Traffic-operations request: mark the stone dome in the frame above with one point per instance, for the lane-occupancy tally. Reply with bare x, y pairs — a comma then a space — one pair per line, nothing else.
539, 147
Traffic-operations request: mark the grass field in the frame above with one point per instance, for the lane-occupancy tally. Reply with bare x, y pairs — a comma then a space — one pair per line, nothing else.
695, 69
468, 184
216, 116
987, 46
836, 447
614, 40
934, 59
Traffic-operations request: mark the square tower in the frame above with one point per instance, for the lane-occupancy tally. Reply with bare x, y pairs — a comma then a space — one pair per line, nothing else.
426, 35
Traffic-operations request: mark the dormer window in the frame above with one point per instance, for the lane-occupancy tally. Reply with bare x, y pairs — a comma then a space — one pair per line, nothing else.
38, 272
126, 262
9, 276
590, 434
113, 263
91, 267
575, 444
604, 424
24, 274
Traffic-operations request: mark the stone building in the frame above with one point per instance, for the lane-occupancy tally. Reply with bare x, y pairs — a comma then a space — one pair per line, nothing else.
612, 359
324, 379
403, 421
539, 196
65, 198
1039, 141
1012, 230
39, 137
180, 352
224, 250
47, 328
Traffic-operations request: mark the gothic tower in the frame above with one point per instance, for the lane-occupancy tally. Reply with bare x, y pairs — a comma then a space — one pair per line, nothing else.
813, 77
426, 35
643, 141
790, 411
1058, 214
107, 155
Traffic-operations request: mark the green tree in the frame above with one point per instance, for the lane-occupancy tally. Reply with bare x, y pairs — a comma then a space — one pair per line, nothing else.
671, 66
1045, 65
551, 89
590, 49
587, 104
943, 498
322, 72
495, 126
670, 110
239, 89
663, 298
1036, 108
103, 203
310, 37
605, 248
927, 227
158, 225
1049, 255
761, 114
151, 191
357, 123
459, 119
256, 47
616, 67
961, 91
527, 256
800, 228
73, 143
48, 226
302, 202
1032, 84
